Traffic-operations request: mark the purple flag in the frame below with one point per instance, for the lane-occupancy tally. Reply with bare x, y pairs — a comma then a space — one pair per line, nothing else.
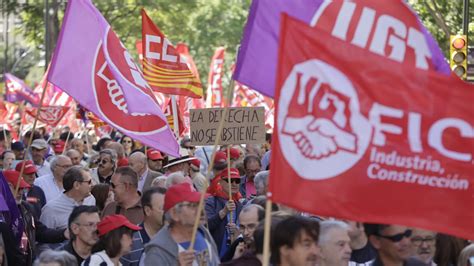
13, 216
17, 90
353, 22
92, 66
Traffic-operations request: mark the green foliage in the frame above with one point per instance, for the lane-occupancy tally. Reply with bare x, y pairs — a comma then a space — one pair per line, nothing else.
442, 18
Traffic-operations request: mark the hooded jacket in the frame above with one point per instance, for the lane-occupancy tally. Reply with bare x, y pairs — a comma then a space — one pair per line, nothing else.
163, 250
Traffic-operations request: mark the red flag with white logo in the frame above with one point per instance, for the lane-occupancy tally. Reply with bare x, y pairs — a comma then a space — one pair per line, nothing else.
214, 88
361, 137
7, 113
50, 115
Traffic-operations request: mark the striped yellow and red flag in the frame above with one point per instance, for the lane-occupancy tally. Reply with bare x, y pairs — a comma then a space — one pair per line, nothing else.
163, 67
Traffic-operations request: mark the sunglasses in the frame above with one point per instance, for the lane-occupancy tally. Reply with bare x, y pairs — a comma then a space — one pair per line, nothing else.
232, 180
88, 181
398, 237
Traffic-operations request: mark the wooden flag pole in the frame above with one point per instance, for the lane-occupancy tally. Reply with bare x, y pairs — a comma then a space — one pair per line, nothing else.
267, 231
67, 139
174, 107
5, 137
40, 105
229, 180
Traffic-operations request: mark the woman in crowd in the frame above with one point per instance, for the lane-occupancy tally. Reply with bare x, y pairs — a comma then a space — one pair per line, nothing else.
128, 144
115, 240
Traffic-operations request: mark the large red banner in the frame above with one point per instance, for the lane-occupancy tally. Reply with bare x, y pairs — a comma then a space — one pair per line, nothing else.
50, 115
365, 138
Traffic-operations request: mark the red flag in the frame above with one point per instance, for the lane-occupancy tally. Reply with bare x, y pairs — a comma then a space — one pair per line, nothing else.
364, 138
246, 97
168, 111
7, 113
163, 67
17, 90
50, 115
183, 50
214, 89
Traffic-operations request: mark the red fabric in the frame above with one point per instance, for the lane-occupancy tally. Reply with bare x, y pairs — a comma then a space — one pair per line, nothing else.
362, 136
180, 193
214, 90
112, 222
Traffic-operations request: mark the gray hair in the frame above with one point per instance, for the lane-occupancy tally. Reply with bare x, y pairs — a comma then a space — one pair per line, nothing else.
175, 178
326, 226
261, 178
63, 258
111, 153
54, 161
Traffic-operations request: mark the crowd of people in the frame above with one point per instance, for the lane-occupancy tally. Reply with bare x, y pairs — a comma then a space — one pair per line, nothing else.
68, 200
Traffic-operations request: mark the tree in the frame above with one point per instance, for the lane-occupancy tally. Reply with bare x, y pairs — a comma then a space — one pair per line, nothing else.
442, 18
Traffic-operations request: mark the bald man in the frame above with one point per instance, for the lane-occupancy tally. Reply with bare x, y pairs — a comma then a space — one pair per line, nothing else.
138, 162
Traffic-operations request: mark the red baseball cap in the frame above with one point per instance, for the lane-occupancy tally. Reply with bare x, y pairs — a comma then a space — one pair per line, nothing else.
234, 153
154, 155
196, 162
122, 162
112, 222
12, 177
180, 193
234, 174
29, 168
220, 158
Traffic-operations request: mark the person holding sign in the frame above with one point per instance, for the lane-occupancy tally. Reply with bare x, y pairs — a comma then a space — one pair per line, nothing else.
222, 213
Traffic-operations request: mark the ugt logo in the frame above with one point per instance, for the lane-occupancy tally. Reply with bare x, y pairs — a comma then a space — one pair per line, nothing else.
320, 121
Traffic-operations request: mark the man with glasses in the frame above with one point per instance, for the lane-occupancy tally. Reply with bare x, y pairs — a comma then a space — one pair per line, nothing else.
170, 245
393, 245
124, 184
423, 245
52, 184
106, 165
252, 166
220, 210
77, 183
82, 225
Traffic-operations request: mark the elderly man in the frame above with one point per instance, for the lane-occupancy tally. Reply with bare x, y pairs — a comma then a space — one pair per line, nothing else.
39, 149
82, 225
154, 160
138, 162
294, 242
261, 183
75, 157
77, 184
170, 245
152, 201
423, 245
52, 184
334, 242
252, 166
79, 146
392, 243
107, 163
124, 184
249, 218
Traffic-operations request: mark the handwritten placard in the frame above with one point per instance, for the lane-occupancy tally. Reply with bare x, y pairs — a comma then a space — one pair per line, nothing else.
242, 125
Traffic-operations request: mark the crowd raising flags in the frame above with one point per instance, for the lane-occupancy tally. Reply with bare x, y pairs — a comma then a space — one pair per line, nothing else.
369, 145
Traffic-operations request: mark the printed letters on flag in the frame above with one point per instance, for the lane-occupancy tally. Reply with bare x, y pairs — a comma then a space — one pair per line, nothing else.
164, 68
397, 34
50, 115
100, 75
7, 113
361, 137
214, 89
246, 97
16, 90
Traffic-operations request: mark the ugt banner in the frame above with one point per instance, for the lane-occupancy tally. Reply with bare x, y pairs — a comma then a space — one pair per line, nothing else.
399, 34
102, 76
361, 137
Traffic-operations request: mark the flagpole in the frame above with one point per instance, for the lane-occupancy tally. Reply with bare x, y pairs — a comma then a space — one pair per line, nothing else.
40, 105
67, 139
267, 230
5, 137
229, 180
174, 107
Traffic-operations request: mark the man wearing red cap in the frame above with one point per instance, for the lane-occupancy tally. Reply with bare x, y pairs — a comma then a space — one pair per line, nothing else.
219, 209
155, 160
35, 194
34, 229
170, 245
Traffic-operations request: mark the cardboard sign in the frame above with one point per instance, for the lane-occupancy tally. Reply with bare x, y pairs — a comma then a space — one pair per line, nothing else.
242, 125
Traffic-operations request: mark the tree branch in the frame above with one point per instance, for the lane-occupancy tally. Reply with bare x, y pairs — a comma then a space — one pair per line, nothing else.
438, 19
